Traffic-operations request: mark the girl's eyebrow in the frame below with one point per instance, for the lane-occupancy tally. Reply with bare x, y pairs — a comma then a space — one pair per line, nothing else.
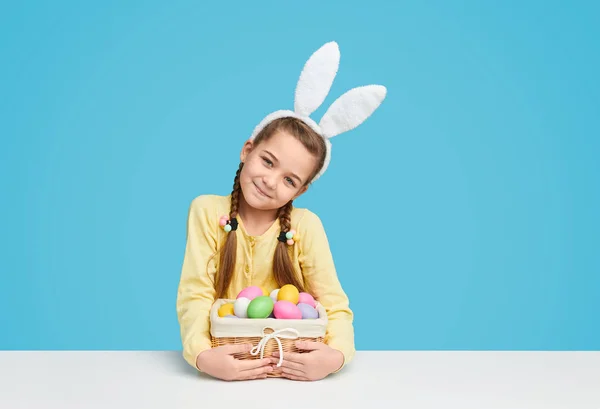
277, 161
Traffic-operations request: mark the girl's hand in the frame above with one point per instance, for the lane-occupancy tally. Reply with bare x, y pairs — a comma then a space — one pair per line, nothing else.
219, 362
321, 361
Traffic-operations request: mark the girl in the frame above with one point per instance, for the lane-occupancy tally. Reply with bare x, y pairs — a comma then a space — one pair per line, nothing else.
285, 154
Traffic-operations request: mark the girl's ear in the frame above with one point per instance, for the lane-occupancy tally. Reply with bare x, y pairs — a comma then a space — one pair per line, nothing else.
301, 192
246, 149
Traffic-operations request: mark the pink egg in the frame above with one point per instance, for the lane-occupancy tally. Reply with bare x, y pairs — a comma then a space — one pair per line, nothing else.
306, 298
286, 310
250, 292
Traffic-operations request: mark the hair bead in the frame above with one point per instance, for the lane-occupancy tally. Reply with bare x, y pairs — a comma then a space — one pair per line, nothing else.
228, 225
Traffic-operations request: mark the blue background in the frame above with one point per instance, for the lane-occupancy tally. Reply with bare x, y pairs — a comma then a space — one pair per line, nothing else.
464, 214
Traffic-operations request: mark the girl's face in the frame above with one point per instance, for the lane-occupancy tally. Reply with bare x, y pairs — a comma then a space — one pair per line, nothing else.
275, 171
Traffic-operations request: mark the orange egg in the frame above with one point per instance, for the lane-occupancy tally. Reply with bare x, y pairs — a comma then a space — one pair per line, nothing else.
226, 309
288, 293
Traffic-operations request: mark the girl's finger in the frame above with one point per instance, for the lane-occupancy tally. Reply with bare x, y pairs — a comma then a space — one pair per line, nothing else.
294, 372
288, 364
294, 377
291, 356
249, 378
254, 372
245, 364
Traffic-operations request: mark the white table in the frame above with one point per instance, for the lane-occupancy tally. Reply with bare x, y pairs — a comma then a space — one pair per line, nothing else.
161, 379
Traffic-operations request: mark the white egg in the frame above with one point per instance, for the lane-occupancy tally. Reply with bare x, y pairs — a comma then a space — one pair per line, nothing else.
274, 294
240, 307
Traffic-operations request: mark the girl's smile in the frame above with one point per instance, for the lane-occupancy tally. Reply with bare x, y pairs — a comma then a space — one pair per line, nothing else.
261, 192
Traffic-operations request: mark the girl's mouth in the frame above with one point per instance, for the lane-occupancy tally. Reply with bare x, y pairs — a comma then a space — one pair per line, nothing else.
261, 192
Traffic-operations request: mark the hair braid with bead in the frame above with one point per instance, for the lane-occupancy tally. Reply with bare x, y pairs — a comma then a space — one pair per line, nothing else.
282, 265
228, 253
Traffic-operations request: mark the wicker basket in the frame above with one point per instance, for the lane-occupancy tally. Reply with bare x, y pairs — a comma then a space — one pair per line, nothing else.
266, 335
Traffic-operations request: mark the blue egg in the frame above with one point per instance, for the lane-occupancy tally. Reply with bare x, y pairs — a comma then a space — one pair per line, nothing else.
308, 312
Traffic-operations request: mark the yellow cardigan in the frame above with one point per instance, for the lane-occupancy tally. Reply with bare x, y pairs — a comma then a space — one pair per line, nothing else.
311, 256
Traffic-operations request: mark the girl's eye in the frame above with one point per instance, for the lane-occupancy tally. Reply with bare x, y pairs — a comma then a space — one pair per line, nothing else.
267, 161
290, 181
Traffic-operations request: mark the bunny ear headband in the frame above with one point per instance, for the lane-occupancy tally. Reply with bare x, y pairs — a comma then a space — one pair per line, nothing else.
346, 113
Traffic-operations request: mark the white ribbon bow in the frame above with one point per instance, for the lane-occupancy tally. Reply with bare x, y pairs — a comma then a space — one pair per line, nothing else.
274, 335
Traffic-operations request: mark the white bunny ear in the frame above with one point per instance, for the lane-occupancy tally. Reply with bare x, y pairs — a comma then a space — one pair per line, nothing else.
316, 78
351, 109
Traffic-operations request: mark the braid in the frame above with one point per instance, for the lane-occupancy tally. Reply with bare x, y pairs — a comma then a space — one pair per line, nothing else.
235, 193
228, 254
282, 265
285, 216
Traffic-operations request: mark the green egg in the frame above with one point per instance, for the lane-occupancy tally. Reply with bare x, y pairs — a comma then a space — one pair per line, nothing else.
260, 307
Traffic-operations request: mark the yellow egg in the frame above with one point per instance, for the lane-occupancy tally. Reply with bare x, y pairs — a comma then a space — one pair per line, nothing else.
288, 293
226, 309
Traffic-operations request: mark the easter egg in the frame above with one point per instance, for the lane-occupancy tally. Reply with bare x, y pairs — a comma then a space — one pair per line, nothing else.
288, 293
286, 310
306, 298
307, 311
250, 292
260, 307
225, 309
240, 307
274, 294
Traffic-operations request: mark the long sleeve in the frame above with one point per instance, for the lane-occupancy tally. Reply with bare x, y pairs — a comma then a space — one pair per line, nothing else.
196, 292
319, 273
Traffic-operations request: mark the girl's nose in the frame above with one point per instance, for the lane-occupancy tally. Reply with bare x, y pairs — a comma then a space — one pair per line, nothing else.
269, 182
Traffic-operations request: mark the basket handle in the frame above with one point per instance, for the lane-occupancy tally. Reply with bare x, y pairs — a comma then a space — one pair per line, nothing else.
274, 335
